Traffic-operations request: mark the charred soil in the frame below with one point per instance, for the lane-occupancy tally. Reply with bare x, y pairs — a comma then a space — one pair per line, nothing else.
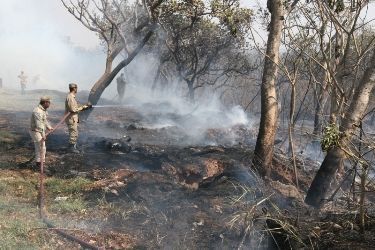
137, 187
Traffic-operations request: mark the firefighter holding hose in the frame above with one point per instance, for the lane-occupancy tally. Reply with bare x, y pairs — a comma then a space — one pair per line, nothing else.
38, 127
72, 106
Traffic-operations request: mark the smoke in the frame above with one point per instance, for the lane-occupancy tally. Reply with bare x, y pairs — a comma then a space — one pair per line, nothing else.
196, 120
53, 49
46, 42
206, 121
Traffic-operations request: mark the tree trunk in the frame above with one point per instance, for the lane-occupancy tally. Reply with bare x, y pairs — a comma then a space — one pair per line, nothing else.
108, 76
322, 182
319, 110
320, 104
268, 122
291, 130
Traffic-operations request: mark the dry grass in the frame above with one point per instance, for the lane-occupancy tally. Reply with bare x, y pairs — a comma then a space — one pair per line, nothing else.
20, 226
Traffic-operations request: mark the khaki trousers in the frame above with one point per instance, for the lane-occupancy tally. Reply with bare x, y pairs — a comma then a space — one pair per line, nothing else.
73, 132
39, 146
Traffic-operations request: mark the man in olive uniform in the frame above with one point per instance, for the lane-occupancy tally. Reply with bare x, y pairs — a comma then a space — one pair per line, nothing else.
38, 127
121, 86
23, 81
72, 106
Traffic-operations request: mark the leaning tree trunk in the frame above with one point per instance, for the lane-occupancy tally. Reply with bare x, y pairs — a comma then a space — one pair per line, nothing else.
268, 122
99, 87
322, 182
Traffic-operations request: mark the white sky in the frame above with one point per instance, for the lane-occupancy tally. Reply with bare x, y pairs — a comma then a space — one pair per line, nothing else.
33, 35
32, 19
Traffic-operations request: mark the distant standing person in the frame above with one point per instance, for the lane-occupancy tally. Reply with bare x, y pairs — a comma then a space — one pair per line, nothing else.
72, 106
23, 81
38, 126
121, 86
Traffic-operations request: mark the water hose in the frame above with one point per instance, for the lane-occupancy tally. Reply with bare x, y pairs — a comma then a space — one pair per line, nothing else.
42, 208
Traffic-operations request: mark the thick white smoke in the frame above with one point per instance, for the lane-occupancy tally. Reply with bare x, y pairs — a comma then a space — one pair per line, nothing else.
195, 120
46, 42
169, 107
35, 38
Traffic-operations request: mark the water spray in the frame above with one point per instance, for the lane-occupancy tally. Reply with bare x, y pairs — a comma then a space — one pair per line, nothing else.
107, 106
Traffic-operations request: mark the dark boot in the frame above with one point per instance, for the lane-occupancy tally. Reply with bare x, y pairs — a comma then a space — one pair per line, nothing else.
73, 149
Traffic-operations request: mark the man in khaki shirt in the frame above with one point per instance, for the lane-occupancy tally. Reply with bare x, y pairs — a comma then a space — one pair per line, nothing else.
72, 106
38, 126
23, 81
121, 87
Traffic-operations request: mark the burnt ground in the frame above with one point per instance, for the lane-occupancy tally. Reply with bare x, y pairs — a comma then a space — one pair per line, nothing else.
159, 191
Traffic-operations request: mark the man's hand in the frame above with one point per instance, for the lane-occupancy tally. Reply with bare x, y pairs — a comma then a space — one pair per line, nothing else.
87, 106
50, 131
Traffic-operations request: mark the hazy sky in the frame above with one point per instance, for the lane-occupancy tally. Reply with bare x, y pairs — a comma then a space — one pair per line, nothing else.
33, 35
33, 38
33, 19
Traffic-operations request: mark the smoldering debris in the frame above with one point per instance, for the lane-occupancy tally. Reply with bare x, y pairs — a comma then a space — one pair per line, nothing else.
195, 121
121, 145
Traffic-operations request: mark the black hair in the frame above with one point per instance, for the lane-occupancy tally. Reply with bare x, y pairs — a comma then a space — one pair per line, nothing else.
43, 102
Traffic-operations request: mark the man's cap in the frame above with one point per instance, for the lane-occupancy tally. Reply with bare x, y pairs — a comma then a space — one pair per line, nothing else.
72, 85
45, 99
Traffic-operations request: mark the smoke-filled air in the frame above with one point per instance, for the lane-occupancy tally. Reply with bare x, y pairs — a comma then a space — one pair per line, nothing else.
176, 124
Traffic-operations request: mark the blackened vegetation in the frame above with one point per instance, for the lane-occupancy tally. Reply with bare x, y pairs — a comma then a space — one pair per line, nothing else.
178, 196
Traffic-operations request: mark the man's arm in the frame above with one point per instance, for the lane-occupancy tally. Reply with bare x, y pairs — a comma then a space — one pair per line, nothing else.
73, 106
39, 125
48, 125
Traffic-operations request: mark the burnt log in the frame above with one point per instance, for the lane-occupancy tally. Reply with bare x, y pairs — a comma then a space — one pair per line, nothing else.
197, 174
116, 145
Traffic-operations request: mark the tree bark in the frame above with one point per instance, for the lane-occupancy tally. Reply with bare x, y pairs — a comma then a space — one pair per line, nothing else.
320, 104
321, 184
108, 76
269, 113
291, 129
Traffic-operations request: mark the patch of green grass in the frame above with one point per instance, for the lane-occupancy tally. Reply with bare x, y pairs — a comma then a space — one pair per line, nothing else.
15, 236
71, 205
20, 226
7, 137
3, 187
19, 187
16, 222
66, 186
